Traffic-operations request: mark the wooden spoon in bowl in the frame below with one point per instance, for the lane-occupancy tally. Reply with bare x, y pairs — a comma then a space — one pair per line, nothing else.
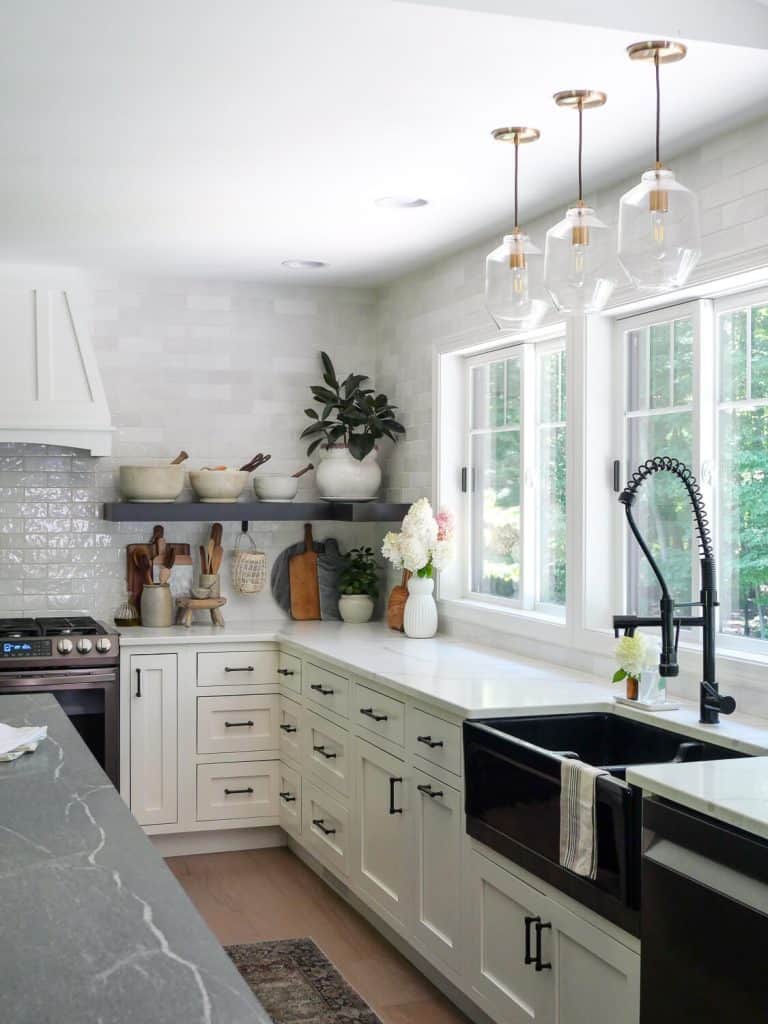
181, 457
303, 471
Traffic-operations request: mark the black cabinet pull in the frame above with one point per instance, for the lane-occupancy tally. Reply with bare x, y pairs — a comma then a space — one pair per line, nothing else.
245, 668
320, 689
324, 752
286, 672
288, 797
320, 823
429, 742
231, 725
288, 728
428, 791
138, 682
370, 713
529, 958
539, 926
392, 808
248, 789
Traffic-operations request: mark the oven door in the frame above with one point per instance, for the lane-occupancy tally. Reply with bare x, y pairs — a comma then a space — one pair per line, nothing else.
89, 698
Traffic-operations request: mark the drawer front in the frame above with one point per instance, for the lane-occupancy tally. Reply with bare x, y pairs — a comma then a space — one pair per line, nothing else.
243, 789
325, 752
289, 796
226, 725
289, 670
379, 713
237, 668
326, 689
290, 726
435, 740
325, 828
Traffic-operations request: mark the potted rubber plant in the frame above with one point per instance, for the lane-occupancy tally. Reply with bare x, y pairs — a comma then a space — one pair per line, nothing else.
348, 424
358, 586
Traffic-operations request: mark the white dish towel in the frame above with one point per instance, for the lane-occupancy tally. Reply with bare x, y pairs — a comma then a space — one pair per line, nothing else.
578, 834
15, 742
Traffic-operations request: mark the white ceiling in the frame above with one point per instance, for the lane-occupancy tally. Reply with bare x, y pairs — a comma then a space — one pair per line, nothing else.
183, 136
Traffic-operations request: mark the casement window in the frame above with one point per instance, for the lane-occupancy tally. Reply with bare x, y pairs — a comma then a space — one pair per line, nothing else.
696, 387
515, 477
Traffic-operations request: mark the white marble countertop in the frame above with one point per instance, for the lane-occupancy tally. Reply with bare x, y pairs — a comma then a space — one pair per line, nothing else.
733, 791
466, 680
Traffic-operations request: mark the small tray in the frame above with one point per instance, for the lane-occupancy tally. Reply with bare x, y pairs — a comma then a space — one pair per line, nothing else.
665, 705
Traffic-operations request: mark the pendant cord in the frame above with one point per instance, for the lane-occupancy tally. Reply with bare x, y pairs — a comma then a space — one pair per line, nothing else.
658, 111
517, 147
581, 145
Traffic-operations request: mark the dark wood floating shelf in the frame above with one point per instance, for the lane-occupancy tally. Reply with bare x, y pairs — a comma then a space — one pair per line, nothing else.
253, 511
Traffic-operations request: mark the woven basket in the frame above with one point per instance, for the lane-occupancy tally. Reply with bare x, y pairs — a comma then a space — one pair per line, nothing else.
249, 568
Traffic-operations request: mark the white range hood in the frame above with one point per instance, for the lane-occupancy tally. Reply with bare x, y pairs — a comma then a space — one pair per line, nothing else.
50, 387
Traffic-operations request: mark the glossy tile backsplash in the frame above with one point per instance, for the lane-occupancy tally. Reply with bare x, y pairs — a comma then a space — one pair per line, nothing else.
221, 370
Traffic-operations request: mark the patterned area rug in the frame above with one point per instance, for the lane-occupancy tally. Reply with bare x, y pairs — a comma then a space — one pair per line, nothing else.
297, 984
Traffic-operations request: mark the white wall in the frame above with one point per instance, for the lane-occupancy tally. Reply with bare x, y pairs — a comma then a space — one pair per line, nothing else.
221, 370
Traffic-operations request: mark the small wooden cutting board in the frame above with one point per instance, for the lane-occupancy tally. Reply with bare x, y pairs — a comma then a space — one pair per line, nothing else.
396, 604
302, 574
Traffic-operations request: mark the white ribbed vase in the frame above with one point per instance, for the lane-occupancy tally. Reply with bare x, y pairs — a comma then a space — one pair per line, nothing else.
420, 618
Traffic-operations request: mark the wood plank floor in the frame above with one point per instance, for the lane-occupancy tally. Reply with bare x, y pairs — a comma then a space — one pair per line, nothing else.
270, 894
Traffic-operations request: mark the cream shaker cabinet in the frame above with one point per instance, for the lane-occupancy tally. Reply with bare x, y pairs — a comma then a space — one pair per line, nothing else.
153, 689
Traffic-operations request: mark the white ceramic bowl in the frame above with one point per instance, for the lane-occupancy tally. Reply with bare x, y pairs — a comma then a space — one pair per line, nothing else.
151, 483
218, 484
275, 487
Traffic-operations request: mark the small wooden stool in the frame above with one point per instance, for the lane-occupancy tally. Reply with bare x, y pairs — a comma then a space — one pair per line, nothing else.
188, 605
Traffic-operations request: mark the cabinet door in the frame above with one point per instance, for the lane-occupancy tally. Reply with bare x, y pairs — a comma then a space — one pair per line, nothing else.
154, 738
437, 832
501, 914
381, 839
596, 977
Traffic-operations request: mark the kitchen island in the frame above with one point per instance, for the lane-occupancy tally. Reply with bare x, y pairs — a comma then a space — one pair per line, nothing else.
94, 927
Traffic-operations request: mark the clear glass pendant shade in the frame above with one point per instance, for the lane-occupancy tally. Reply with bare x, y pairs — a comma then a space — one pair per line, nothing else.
579, 262
509, 294
659, 234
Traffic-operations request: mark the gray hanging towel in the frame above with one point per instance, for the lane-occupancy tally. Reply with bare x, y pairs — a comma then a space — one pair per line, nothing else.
329, 565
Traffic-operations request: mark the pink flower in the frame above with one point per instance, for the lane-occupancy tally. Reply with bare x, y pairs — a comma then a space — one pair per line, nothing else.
445, 524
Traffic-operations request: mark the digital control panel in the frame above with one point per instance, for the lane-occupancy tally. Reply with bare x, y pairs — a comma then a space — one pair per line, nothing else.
32, 648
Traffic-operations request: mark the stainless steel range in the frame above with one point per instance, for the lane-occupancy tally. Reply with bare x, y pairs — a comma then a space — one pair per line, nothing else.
75, 659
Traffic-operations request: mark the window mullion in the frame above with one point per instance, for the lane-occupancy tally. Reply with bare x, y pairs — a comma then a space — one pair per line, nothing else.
704, 410
529, 509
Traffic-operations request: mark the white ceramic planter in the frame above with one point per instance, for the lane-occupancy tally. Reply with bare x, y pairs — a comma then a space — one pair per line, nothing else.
355, 608
420, 618
342, 477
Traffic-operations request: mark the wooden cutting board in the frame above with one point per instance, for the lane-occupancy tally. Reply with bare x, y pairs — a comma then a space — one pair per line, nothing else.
305, 588
396, 603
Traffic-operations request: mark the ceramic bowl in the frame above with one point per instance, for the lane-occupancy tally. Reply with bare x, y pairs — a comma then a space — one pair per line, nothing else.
151, 483
275, 487
218, 484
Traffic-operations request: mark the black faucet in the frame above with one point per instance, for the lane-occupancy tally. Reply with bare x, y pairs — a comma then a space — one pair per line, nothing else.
711, 703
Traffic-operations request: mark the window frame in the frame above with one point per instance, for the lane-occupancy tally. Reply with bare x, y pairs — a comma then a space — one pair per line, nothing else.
529, 350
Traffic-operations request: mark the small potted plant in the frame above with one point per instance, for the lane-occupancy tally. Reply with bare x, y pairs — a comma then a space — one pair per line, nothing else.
352, 419
637, 657
358, 586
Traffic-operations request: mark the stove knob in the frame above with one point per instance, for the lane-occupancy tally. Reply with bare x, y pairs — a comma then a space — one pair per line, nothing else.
84, 645
64, 645
103, 645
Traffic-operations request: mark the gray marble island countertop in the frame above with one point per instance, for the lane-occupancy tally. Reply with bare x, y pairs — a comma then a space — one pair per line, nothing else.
93, 925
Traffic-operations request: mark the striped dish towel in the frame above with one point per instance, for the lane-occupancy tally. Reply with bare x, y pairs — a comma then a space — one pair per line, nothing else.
578, 834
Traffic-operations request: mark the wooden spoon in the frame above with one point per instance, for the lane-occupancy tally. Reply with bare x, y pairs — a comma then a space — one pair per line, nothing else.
217, 532
303, 471
181, 457
218, 555
204, 560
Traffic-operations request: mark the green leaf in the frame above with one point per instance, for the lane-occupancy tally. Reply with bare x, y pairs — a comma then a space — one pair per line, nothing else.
323, 394
619, 675
312, 413
329, 373
314, 445
360, 445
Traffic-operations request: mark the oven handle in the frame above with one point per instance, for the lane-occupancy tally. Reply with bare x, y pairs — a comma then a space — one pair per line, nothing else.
56, 679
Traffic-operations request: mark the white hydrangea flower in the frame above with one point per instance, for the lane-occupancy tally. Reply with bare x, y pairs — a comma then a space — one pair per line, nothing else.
631, 654
442, 553
413, 552
420, 522
390, 548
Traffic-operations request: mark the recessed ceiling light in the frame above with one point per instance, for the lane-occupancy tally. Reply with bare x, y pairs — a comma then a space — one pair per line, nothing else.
304, 264
400, 202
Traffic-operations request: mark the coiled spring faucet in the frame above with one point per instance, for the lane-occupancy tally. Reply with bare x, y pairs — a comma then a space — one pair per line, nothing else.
711, 703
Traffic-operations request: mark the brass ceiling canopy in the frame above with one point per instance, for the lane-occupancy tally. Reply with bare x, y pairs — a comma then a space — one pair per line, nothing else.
661, 51
517, 135
580, 99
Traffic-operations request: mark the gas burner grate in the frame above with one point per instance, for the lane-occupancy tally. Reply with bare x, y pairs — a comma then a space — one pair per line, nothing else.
20, 628
83, 625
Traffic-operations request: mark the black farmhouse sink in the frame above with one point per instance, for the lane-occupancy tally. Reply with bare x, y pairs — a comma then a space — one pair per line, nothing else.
512, 771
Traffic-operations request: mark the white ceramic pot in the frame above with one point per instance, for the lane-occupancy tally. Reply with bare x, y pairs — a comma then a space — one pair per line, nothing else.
341, 477
156, 606
355, 608
218, 484
274, 487
151, 483
420, 618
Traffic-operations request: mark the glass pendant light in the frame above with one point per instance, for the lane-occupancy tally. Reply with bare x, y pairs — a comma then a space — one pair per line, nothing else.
659, 235
579, 258
508, 294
